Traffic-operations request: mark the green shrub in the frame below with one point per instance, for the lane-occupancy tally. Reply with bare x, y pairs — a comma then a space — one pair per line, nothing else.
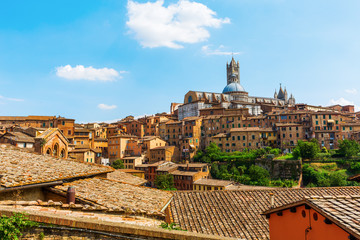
275, 151
323, 156
11, 227
118, 164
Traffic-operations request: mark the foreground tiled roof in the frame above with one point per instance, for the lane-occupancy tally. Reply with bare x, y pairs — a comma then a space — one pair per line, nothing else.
238, 213
19, 167
121, 176
344, 211
117, 195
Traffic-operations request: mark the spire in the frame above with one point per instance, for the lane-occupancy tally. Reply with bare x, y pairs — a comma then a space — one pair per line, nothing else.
281, 94
275, 94
232, 61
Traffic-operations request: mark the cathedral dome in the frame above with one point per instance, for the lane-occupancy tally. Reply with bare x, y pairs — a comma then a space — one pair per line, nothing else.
233, 87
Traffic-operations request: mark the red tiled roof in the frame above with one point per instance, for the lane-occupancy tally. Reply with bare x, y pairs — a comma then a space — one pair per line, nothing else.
238, 213
342, 210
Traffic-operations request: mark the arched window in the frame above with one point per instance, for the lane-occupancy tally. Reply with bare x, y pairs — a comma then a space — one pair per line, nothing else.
189, 99
48, 151
62, 153
56, 150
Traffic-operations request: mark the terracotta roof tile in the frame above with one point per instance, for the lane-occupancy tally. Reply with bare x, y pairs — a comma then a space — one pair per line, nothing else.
126, 178
19, 167
342, 210
116, 195
238, 213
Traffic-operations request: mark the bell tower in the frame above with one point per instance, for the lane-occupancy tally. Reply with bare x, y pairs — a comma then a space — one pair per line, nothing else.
233, 72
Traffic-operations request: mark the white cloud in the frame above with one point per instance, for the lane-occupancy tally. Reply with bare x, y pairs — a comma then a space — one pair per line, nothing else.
87, 73
155, 25
343, 102
11, 99
103, 106
219, 51
351, 91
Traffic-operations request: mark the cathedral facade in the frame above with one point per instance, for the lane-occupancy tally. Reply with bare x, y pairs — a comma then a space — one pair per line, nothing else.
233, 96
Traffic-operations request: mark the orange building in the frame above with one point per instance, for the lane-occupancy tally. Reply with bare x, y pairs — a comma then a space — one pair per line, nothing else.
164, 153
117, 146
316, 218
65, 125
52, 142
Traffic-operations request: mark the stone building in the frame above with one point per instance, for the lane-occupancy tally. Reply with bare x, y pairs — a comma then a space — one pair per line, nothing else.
117, 146
233, 96
238, 139
52, 142
164, 153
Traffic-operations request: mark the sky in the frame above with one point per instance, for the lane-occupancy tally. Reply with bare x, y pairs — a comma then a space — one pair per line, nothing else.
107, 59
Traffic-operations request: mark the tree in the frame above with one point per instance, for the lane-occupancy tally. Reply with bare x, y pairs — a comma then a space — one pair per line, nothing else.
349, 148
213, 152
259, 176
307, 150
275, 151
118, 164
215, 173
338, 178
165, 182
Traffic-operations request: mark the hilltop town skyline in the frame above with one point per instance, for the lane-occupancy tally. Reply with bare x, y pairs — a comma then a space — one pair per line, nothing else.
103, 61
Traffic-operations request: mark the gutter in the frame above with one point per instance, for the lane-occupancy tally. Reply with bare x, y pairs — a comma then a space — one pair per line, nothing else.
167, 204
30, 186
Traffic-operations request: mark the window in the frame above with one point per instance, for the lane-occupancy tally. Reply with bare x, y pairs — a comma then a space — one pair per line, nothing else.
43, 124
63, 123
233, 138
253, 137
51, 124
244, 138
69, 132
238, 138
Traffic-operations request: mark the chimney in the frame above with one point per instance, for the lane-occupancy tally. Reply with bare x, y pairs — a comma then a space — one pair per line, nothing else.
70, 195
272, 200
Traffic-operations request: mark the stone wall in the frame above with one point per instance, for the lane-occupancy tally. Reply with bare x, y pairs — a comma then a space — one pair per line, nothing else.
62, 233
284, 169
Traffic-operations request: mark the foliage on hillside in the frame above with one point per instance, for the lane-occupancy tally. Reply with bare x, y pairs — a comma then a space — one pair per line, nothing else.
240, 166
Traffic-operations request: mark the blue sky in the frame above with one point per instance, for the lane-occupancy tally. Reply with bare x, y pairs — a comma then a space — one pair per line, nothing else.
104, 60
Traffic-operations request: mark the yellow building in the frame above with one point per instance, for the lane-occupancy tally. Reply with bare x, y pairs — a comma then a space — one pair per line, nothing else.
83, 155
245, 138
150, 142
134, 172
165, 153
206, 184
117, 146
82, 138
